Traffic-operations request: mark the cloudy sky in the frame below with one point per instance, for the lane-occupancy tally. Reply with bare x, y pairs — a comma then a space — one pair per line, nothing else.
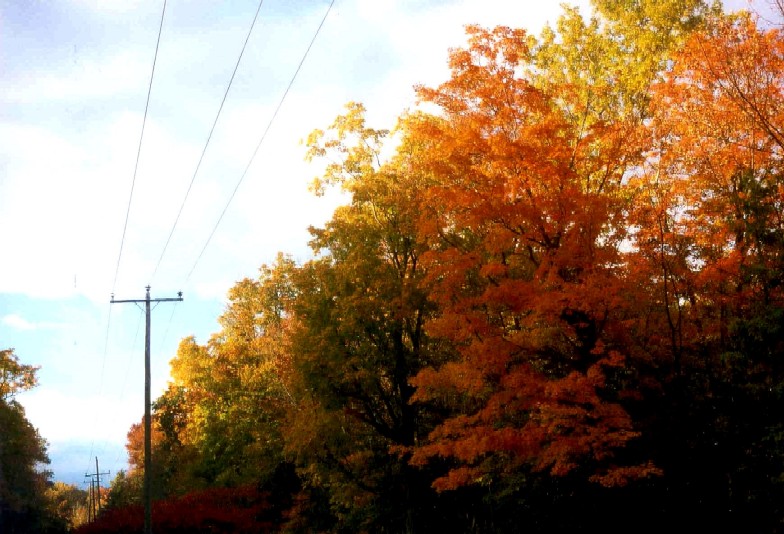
75, 78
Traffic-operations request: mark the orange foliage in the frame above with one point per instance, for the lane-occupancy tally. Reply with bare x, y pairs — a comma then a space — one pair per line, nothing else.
525, 225
579, 265
712, 214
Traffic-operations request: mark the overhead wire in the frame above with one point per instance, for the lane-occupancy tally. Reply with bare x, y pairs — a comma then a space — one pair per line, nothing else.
201, 158
139, 150
209, 137
263, 136
245, 172
127, 216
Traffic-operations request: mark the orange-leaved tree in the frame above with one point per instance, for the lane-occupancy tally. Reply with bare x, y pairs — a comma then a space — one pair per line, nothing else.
719, 138
711, 234
525, 222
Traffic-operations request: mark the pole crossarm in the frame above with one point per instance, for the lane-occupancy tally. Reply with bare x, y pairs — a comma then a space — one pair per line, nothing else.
103, 474
147, 416
137, 301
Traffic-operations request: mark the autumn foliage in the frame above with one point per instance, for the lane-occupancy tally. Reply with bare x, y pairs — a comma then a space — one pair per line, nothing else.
553, 300
239, 510
526, 207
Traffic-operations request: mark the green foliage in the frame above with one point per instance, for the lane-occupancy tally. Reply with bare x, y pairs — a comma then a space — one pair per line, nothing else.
357, 336
23, 482
609, 61
67, 504
218, 422
125, 489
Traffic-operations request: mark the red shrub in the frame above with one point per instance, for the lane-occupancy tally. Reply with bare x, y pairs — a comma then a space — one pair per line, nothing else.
243, 510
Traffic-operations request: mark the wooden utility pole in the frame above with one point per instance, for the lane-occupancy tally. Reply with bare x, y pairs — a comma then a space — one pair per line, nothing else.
147, 418
91, 505
97, 476
92, 499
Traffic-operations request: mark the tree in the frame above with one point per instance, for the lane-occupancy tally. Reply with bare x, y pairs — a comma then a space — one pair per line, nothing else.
357, 336
230, 391
217, 424
125, 490
606, 64
22, 452
556, 305
15, 377
712, 238
524, 225
67, 504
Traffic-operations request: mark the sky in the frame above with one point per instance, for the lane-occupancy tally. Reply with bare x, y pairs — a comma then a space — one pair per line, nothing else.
79, 220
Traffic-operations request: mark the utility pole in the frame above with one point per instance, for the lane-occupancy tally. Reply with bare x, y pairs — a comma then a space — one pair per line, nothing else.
92, 499
91, 505
97, 476
147, 418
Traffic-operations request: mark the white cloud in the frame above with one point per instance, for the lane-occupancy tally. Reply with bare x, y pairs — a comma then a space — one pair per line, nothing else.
66, 187
60, 416
18, 322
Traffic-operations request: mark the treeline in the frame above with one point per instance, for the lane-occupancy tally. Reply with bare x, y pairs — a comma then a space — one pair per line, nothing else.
29, 501
556, 306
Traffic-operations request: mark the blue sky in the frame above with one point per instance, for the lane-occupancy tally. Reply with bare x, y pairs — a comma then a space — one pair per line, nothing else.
75, 78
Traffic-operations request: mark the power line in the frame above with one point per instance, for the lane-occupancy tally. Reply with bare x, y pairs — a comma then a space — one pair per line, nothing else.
263, 136
128, 210
204, 150
139, 150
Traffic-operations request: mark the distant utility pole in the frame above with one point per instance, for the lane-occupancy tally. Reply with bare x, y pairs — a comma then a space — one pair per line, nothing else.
97, 476
147, 419
91, 505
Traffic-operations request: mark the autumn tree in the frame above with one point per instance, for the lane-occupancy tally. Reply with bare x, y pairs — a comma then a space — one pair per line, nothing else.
22, 453
712, 227
131, 483
15, 376
234, 397
217, 423
125, 490
525, 223
358, 336
67, 504
601, 68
